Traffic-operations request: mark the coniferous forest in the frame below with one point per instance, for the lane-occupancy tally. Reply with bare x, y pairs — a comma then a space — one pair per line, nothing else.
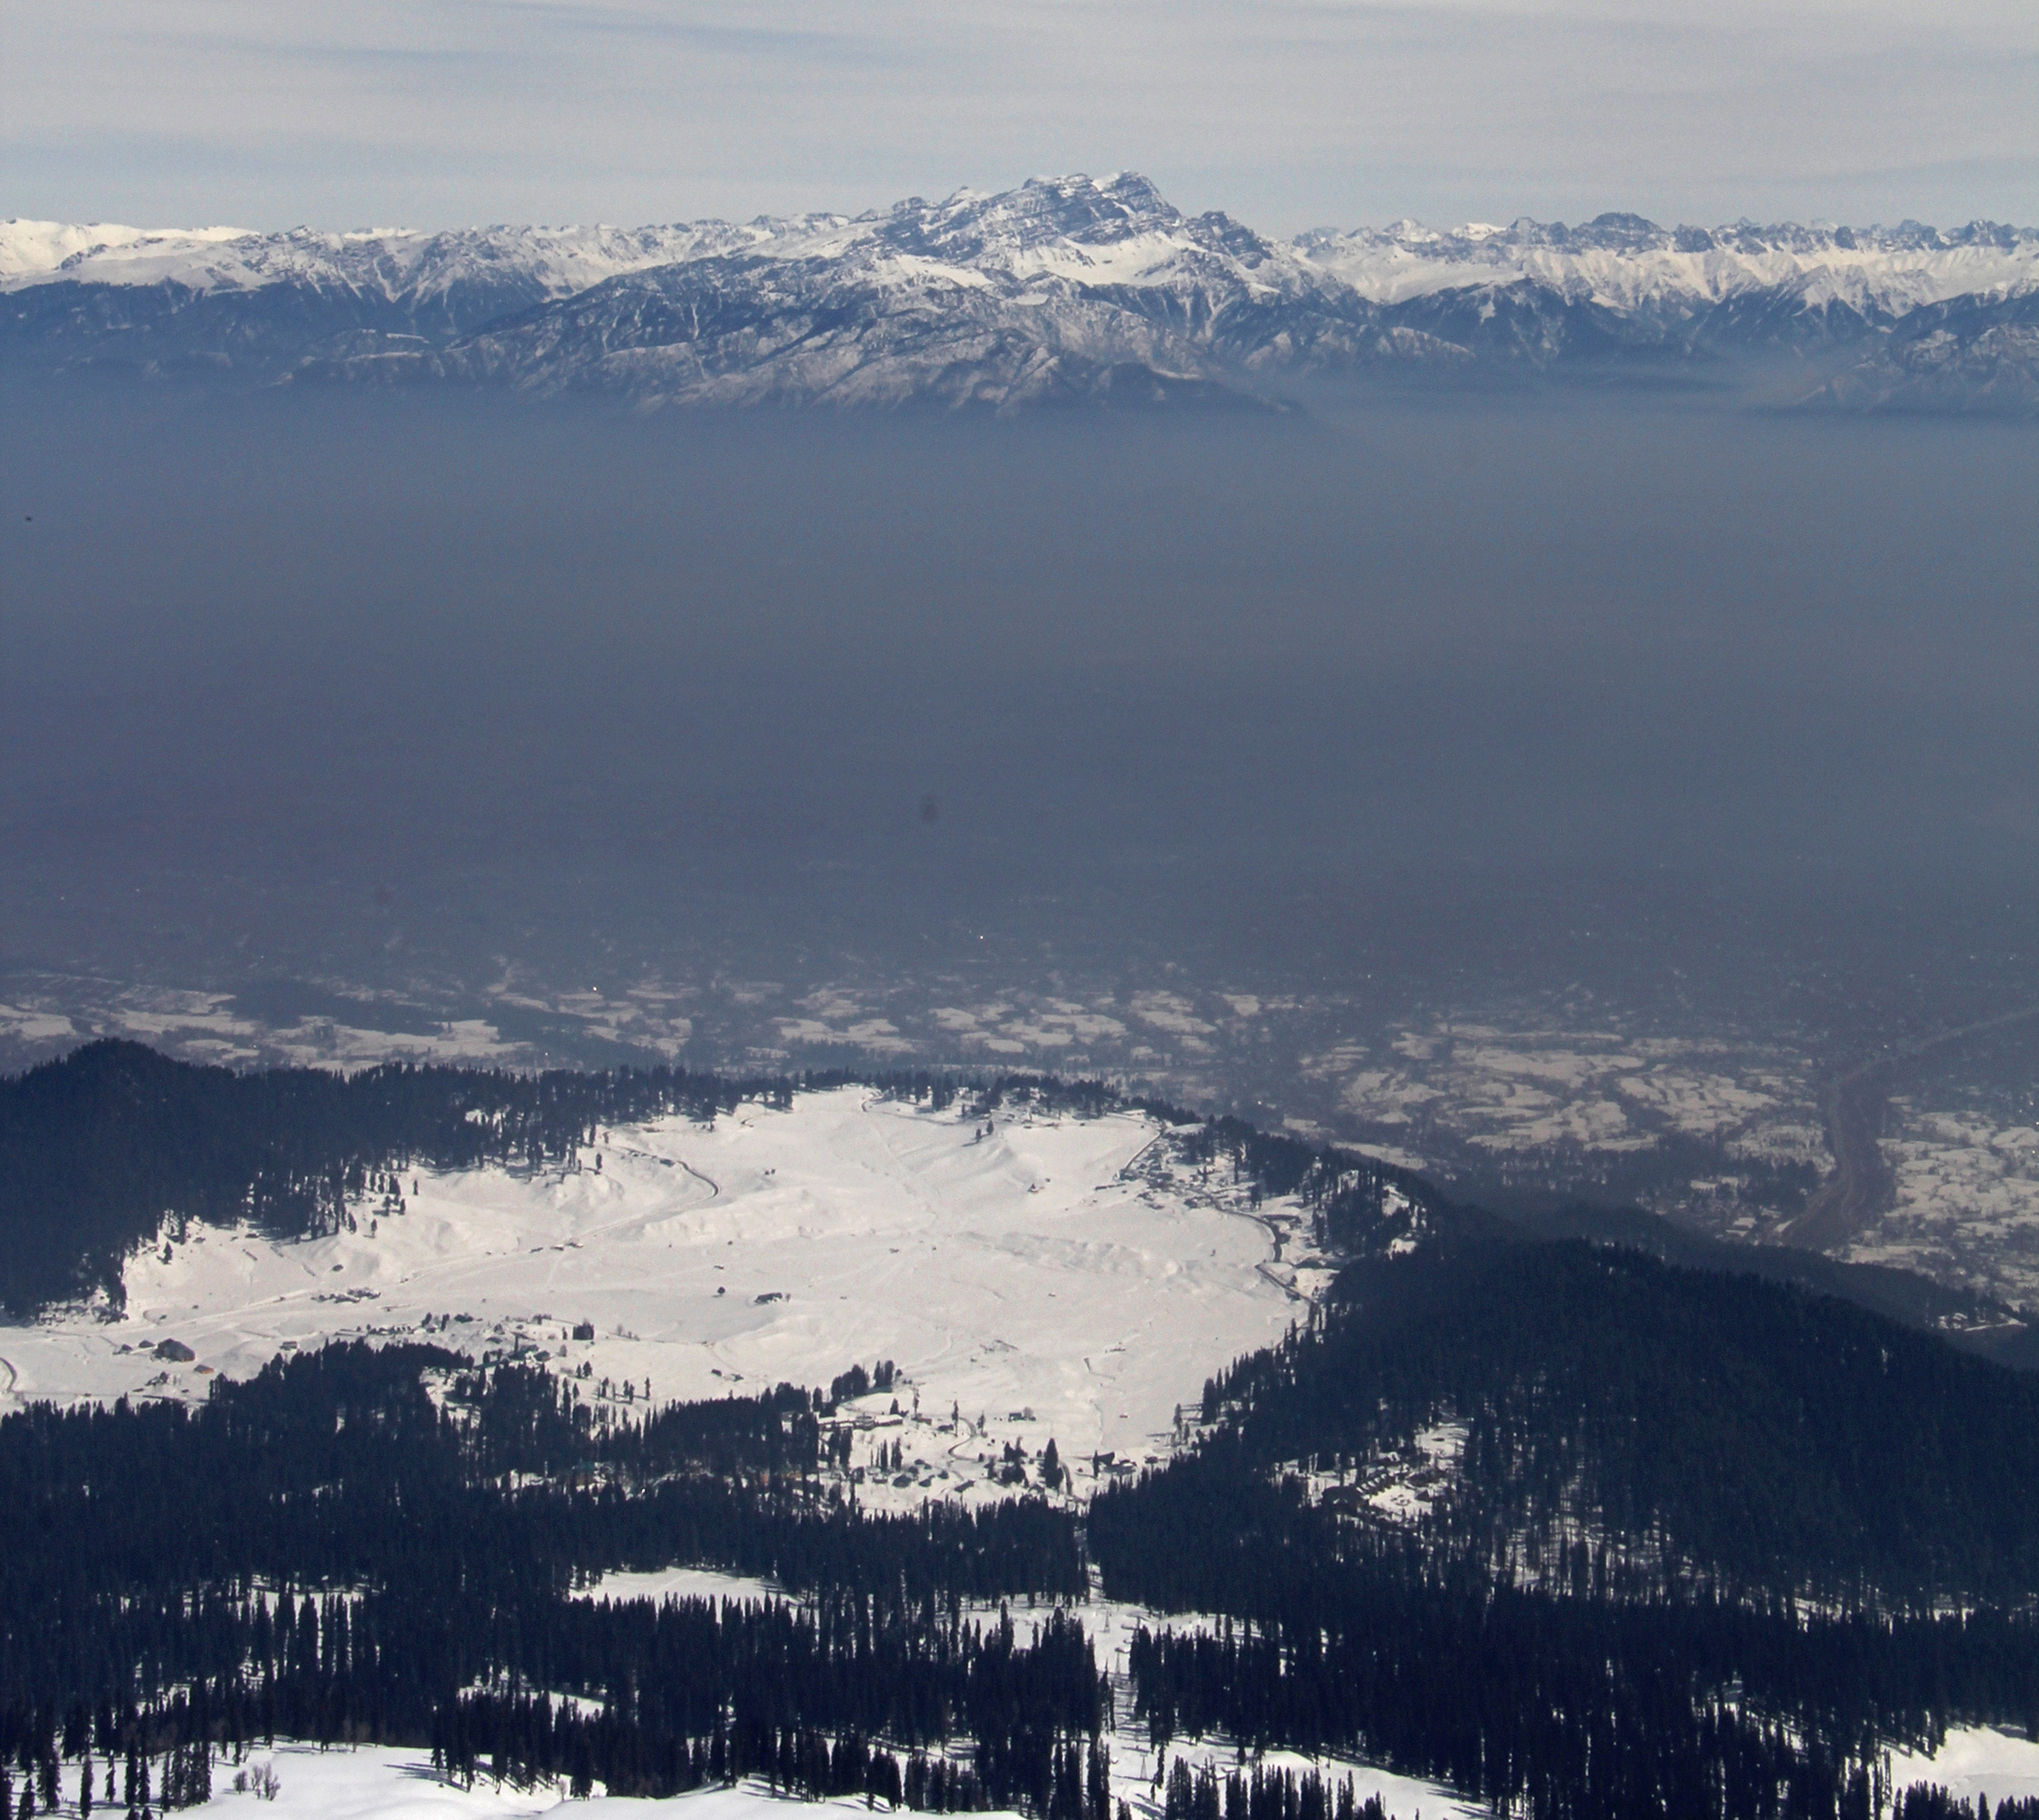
114, 1134
1710, 1542
1690, 1542
379, 1545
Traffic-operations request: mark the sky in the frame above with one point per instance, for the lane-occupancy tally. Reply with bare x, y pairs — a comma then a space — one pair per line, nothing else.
1287, 113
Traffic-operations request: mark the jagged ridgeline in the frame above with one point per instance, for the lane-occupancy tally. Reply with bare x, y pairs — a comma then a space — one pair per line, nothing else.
1688, 1542
98, 1148
1065, 290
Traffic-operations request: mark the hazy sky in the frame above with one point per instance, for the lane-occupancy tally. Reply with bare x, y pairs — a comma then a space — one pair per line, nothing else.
1288, 113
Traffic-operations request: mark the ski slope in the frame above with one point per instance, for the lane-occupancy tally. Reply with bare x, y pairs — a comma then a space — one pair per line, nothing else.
1056, 1276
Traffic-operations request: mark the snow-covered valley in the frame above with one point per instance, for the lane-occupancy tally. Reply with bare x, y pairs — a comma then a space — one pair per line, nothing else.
1011, 1268
1032, 1275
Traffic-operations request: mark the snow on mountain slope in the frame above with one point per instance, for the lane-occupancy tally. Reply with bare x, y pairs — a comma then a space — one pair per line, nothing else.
1118, 230
1114, 231
1068, 287
1626, 262
1947, 357
36, 252
395, 263
1056, 1276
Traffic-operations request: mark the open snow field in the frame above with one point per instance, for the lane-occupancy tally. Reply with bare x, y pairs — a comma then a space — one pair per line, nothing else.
371, 1782
375, 1782
378, 1782
1971, 1762
1054, 1276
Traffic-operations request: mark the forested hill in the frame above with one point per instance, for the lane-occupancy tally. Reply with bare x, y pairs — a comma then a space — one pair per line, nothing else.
1976, 1323
1617, 1426
352, 1544
1583, 1534
381, 1544
1588, 1535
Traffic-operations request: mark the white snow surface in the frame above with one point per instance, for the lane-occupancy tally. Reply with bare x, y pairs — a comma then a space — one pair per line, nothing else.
381, 1782
1121, 233
34, 251
389, 261
1060, 1276
1974, 1761
678, 1582
1872, 270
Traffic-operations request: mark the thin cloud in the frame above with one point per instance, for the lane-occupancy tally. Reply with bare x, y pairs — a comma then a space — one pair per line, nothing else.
1287, 114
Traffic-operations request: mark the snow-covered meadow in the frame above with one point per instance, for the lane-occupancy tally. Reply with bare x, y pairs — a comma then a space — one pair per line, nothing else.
1032, 1274
375, 1782
382, 1782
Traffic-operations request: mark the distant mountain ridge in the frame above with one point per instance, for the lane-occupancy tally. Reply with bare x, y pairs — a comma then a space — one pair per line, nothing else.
1064, 290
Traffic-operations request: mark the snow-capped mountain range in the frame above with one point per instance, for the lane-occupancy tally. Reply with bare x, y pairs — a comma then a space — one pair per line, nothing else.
1069, 287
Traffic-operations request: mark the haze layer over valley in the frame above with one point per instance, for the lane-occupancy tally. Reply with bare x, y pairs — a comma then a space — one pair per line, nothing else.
1559, 794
